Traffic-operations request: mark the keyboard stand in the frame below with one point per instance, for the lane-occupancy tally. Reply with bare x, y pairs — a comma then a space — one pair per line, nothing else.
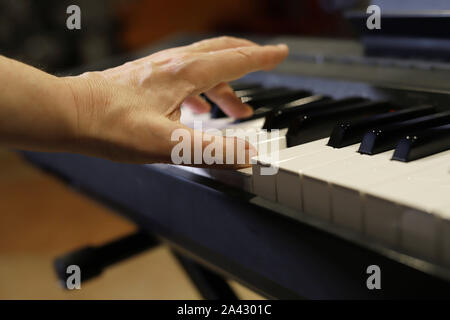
93, 260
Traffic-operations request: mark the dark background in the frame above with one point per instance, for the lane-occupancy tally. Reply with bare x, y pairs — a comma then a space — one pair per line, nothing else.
35, 31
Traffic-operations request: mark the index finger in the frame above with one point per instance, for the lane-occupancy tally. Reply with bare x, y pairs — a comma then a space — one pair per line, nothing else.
207, 45
230, 64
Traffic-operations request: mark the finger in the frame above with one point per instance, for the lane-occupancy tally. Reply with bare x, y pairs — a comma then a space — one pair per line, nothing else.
212, 68
219, 43
207, 45
213, 44
197, 104
224, 96
199, 149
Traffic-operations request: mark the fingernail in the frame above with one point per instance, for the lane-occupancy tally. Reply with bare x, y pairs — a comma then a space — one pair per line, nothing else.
282, 46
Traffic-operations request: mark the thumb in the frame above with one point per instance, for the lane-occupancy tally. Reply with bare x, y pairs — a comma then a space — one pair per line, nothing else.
209, 149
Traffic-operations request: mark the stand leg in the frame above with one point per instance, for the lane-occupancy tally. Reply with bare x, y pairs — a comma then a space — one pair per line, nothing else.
210, 285
92, 260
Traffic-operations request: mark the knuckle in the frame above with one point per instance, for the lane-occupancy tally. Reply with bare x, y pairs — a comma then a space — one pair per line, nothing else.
246, 55
233, 41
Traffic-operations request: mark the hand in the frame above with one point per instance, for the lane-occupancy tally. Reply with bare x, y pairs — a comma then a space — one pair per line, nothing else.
129, 113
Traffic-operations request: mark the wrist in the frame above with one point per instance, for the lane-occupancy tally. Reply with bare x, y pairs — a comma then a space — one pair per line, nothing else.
85, 96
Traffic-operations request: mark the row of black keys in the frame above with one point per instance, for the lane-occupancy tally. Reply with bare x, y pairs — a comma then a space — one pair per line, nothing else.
414, 132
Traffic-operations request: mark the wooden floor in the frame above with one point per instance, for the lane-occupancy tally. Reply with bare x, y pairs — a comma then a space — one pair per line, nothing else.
40, 218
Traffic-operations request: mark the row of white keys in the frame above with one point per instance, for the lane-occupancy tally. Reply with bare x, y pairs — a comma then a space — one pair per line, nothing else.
347, 192
318, 189
266, 166
337, 188
264, 142
289, 188
346, 182
413, 203
238, 178
243, 178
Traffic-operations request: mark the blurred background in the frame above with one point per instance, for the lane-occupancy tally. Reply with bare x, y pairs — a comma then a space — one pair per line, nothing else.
40, 218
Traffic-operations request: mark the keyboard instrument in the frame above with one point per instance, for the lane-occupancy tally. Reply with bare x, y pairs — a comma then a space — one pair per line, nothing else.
361, 177
336, 163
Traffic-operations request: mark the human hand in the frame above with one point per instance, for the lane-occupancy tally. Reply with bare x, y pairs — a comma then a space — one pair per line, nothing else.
128, 113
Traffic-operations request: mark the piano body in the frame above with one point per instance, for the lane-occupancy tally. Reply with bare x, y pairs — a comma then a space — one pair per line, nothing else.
363, 171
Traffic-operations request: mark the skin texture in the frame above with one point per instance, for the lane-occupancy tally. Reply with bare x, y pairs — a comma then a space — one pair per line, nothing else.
129, 112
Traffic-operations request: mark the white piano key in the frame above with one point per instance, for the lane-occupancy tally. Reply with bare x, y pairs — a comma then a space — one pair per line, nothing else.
289, 184
292, 152
316, 182
381, 220
410, 201
293, 197
264, 184
423, 187
419, 233
271, 145
346, 200
242, 178
261, 138
317, 190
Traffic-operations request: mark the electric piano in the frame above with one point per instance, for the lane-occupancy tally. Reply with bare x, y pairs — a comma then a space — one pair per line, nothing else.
362, 172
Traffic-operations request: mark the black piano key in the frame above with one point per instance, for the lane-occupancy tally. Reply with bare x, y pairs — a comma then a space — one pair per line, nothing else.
274, 97
257, 114
216, 112
255, 99
318, 124
269, 99
237, 86
423, 144
351, 132
386, 137
282, 116
269, 111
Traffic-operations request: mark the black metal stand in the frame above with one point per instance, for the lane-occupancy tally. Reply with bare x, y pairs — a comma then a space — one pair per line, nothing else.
93, 260
210, 285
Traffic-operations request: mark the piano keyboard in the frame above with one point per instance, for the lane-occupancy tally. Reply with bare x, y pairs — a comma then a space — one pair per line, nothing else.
376, 168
